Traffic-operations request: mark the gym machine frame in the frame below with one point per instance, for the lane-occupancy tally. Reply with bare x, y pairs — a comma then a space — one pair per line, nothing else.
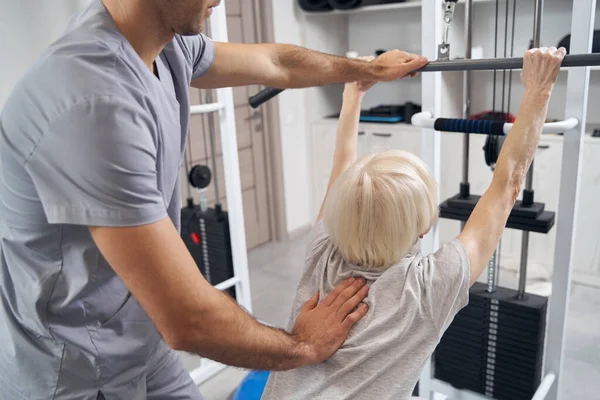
582, 26
225, 108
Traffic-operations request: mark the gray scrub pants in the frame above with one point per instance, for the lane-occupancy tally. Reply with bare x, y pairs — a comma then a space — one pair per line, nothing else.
166, 379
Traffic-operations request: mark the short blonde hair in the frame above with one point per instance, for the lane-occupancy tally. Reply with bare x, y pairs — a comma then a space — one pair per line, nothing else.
377, 209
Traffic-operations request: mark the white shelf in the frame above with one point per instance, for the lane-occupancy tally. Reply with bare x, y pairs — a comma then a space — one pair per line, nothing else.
380, 7
410, 4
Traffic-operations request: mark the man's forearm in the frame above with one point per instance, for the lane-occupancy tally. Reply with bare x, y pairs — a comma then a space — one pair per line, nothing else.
227, 334
306, 68
521, 143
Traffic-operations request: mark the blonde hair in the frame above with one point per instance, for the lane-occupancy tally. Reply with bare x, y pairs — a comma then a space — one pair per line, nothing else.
377, 209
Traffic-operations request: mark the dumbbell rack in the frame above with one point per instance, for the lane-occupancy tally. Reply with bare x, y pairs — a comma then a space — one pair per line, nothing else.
493, 315
224, 106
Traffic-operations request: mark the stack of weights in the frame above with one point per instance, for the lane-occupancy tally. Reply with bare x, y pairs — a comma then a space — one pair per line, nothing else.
495, 345
205, 232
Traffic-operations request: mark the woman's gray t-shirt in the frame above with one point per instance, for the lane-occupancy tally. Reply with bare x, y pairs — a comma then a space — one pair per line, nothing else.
411, 304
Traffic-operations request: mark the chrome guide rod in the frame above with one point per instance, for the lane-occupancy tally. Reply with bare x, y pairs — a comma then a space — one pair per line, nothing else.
505, 55
537, 31
467, 88
495, 56
512, 52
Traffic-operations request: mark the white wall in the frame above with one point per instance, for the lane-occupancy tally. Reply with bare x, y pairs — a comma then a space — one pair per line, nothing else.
293, 126
27, 27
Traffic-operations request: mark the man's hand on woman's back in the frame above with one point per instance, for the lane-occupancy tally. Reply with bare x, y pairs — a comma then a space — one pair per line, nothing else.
322, 327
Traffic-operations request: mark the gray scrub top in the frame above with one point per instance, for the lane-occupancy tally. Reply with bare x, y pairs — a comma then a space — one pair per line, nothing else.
89, 137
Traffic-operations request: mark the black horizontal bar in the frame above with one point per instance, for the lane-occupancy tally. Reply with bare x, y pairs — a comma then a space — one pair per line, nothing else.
575, 60
484, 127
490, 64
263, 96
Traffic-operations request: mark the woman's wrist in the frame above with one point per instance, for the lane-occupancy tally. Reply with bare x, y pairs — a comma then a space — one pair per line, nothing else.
353, 95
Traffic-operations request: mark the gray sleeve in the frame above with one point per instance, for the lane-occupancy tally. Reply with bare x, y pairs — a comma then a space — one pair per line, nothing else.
96, 166
446, 275
317, 239
200, 51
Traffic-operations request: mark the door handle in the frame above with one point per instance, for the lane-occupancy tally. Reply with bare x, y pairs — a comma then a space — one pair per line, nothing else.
382, 134
254, 116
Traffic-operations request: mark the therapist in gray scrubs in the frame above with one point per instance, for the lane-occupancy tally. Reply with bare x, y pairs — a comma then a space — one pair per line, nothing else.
96, 286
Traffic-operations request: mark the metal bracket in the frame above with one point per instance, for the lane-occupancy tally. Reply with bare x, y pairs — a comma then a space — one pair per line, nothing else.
443, 52
444, 48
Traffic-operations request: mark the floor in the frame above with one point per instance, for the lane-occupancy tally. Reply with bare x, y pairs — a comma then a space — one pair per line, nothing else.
276, 268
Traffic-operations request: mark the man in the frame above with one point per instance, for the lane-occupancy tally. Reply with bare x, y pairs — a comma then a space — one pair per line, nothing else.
97, 287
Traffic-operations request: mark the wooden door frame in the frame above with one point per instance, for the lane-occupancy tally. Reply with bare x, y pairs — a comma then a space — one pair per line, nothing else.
271, 129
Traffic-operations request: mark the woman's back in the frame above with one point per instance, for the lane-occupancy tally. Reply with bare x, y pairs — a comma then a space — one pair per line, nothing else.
410, 305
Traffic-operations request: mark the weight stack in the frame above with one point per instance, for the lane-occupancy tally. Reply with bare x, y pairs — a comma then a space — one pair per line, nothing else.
495, 345
206, 235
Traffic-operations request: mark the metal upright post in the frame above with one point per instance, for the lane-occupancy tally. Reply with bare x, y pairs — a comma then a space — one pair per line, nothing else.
231, 168
464, 187
233, 189
431, 92
528, 200
582, 29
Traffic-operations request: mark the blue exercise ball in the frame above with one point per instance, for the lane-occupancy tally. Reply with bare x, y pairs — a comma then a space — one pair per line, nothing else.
252, 386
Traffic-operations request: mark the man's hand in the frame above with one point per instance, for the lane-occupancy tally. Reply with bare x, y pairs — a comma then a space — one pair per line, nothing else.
541, 67
396, 64
321, 328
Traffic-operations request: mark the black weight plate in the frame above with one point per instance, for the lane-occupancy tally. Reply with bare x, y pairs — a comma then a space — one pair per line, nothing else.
531, 339
501, 349
509, 322
499, 392
508, 297
519, 210
466, 326
502, 362
542, 224
475, 380
517, 370
496, 381
479, 309
502, 320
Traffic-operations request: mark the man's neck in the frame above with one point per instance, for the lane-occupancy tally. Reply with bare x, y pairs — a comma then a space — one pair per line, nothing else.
140, 23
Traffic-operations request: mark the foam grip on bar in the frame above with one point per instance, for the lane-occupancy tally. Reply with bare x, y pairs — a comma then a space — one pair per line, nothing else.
481, 126
263, 96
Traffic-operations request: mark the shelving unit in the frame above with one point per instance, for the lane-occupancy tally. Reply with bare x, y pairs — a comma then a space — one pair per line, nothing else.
379, 8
